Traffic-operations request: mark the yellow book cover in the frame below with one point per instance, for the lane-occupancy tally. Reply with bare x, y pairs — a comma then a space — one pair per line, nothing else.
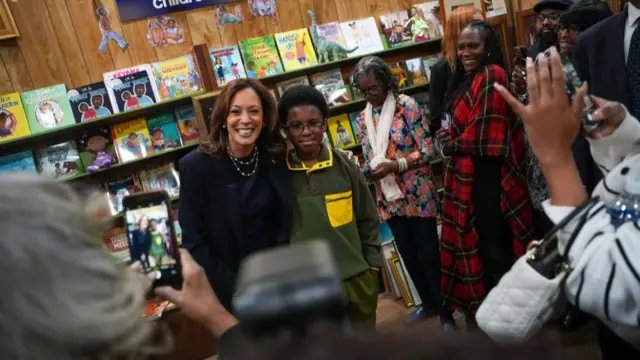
176, 77
13, 120
132, 140
296, 49
340, 131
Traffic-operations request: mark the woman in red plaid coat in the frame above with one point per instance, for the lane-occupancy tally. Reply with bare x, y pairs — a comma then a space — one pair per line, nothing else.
486, 210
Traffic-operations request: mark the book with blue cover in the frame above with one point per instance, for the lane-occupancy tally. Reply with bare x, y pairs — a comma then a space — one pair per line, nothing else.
22, 161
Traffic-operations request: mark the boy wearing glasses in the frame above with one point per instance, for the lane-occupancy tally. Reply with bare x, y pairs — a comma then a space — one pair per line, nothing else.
333, 201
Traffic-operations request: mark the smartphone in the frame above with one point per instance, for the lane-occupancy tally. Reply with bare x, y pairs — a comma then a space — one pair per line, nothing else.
152, 236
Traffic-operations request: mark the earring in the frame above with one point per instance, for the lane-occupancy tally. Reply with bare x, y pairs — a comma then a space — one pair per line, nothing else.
224, 126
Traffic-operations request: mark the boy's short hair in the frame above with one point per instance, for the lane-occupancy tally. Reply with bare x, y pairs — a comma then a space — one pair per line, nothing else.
298, 96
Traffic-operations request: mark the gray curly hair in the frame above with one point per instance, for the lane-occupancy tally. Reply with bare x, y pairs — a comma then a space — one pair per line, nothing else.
64, 297
374, 65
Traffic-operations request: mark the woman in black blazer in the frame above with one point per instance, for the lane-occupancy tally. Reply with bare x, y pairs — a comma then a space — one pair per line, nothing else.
235, 196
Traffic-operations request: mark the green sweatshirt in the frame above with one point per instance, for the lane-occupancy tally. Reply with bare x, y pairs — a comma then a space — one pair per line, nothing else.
333, 202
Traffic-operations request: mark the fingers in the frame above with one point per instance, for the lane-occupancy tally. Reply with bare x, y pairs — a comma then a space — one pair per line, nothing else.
168, 293
577, 105
557, 75
532, 82
510, 99
599, 101
544, 89
136, 266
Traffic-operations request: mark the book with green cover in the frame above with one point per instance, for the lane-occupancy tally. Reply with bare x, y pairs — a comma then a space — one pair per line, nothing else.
47, 108
261, 57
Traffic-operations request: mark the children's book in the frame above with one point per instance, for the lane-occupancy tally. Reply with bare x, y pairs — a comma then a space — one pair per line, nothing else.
13, 120
132, 140
285, 85
154, 308
352, 120
162, 178
187, 124
117, 243
164, 132
361, 34
393, 26
112, 79
90, 102
400, 73
340, 131
96, 149
59, 161
47, 108
430, 13
296, 49
415, 69
332, 87
118, 189
22, 161
261, 57
176, 77
427, 63
133, 91
227, 64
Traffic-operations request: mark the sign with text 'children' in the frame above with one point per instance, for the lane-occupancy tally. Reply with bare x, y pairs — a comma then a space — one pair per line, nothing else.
137, 9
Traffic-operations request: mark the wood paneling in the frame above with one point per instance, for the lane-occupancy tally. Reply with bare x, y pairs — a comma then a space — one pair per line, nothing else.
59, 39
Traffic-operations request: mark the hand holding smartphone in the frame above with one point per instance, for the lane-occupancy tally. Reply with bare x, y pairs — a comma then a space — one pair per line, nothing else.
152, 237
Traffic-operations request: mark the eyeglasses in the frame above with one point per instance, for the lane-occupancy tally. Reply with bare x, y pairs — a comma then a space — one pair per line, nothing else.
298, 127
374, 90
572, 29
550, 17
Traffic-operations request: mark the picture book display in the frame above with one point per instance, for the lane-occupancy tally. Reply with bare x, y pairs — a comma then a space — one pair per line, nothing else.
261, 57
90, 102
96, 149
430, 13
427, 63
132, 140
47, 108
415, 69
13, 120
352, 120
162, 178
133, 91
118, 189
332, 87
393, 26
22, 161
60, 161
361, 35
113, 78
164, 132
227, 64
296, 49
176, 77
340, 131
117, 243
187, 124
287, 84
400, 73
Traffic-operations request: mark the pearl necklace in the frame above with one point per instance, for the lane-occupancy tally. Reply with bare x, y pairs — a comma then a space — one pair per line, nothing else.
254, 160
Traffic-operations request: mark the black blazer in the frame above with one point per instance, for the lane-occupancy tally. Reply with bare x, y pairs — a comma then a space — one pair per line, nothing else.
210, 215
598, 57
440, 73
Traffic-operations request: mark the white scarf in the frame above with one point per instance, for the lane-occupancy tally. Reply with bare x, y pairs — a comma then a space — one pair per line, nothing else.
379, 140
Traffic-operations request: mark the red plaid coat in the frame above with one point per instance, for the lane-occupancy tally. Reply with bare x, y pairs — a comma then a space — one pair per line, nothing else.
482, 124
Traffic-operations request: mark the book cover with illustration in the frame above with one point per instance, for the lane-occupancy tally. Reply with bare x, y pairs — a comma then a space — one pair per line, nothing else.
60, 161
427, 63
133, 91
296, 49
90, 102
340, 131
261, 57
352, 120
287, 84
132, 140
361, 34
116, 243
161, 178
13, 120
164, 132
187, 124
22, 161
415, 70
394, 30
430, 13
176, 77
118, 189
227, 64
112, 79
47, 108
400, 73
332, 87
96, 149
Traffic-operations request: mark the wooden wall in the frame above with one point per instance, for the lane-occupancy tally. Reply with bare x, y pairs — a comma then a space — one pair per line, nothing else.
59, 38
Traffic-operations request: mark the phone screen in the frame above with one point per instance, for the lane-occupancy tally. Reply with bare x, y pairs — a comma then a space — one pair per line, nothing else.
152, 239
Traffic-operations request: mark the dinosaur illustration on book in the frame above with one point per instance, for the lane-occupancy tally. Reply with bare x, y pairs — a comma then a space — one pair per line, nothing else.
327, 50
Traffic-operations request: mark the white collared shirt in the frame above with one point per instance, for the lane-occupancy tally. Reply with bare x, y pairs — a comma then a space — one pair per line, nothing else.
629, 27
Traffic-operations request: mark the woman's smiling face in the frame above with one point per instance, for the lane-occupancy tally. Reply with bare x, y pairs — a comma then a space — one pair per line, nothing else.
245, 121
470, 49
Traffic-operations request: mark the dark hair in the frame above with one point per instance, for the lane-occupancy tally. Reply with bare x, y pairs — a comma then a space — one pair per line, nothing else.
269, 139
585, 14
298, 96
373, 65
459, 82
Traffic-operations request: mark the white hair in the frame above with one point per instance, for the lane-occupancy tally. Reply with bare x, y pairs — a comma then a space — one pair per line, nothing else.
64, 297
